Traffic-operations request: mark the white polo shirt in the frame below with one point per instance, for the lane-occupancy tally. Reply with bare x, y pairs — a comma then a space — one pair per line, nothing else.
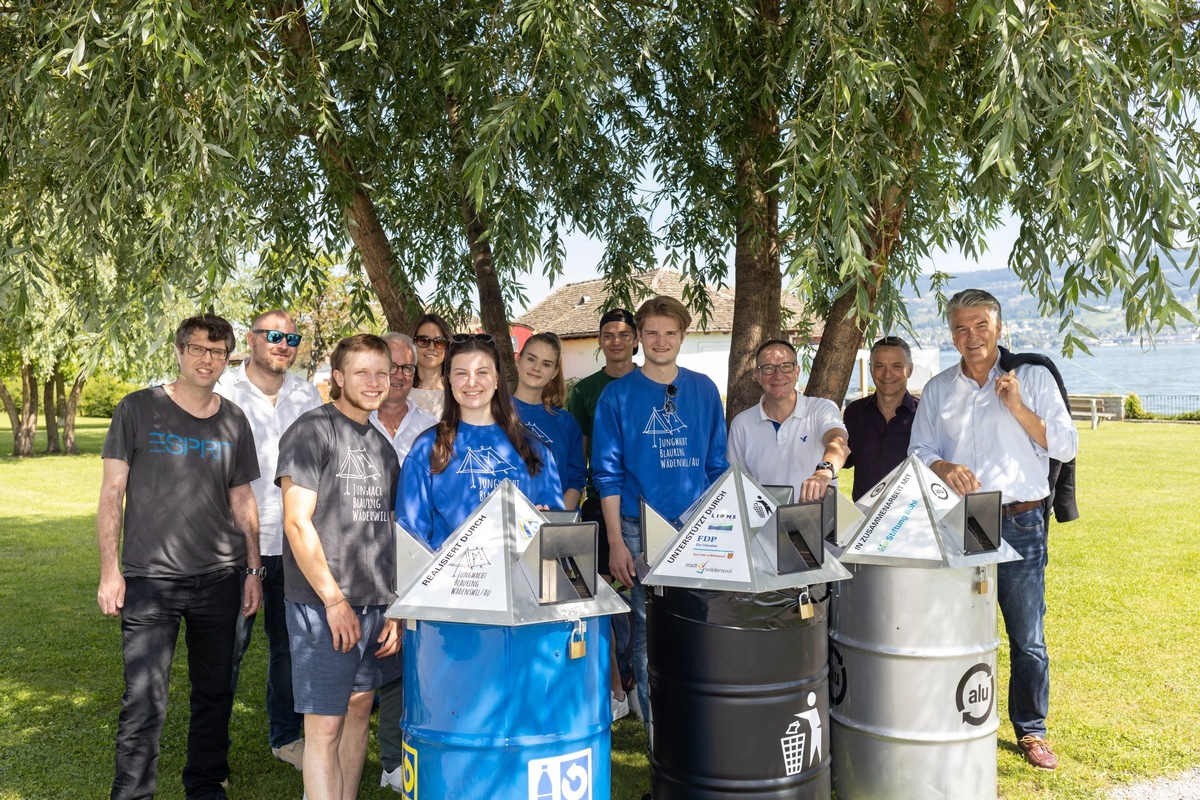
268, 421
789, 455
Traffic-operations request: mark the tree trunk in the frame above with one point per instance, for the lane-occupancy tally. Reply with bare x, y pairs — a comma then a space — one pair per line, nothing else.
70, 445
25, 429
396, 295
757, 277
844, 333
492, 313
10, 407
53, 445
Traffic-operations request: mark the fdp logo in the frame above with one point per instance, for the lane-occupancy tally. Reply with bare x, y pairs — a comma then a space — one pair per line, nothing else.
567, 777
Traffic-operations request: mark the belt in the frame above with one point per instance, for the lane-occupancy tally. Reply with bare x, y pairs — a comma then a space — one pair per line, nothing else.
1009, 510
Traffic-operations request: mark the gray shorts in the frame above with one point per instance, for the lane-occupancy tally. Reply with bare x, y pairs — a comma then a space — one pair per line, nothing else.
324, 678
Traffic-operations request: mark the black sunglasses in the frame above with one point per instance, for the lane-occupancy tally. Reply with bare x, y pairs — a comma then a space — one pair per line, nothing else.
669, 402
275, 337
462, 338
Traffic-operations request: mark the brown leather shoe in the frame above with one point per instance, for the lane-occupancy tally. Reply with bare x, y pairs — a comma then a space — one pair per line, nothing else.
1037, 752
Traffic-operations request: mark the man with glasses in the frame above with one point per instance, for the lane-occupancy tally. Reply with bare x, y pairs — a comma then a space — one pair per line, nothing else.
401, 420
178, 465
659, 434
272, 399
880, 424
788, 439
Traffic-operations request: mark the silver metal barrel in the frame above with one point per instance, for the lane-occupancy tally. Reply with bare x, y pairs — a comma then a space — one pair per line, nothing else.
913, 683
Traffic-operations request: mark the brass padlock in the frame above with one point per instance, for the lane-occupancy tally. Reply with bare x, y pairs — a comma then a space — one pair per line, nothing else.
981, 585
578, 648
805, 609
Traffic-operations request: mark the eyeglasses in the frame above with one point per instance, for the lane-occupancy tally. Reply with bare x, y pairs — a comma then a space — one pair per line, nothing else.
407, 369
275, 337
462, 338
787, 368
669, 401
218, 353
425, 342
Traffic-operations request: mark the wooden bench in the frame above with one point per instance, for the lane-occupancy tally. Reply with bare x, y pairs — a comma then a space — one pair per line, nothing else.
1089, 408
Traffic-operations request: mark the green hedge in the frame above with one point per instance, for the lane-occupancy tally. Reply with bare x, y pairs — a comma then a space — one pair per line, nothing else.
101, 394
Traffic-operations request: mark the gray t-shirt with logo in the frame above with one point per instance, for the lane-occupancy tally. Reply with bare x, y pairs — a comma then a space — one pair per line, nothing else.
177, 515
353, 469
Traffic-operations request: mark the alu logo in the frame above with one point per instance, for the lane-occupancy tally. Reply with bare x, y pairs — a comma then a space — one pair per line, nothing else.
837, 677
938, 491
879, 487
976, 690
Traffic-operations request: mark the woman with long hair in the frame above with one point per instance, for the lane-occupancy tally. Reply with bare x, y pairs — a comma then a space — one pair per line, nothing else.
539, 399
479, 442
431, 335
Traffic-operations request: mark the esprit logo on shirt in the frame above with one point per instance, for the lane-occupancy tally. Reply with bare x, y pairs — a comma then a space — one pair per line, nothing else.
175, 445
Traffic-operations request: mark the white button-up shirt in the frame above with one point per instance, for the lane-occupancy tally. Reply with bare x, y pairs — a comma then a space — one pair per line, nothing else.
268, 421
789, 455
964, 423
415, 422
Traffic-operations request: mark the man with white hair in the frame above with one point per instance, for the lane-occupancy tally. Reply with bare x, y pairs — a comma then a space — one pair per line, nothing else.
979, 427
401, 420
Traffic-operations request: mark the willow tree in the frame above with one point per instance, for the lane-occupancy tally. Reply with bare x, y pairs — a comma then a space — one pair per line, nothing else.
886, 132
448, 143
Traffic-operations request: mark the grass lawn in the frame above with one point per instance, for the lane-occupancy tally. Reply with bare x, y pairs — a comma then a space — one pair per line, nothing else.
1124, 637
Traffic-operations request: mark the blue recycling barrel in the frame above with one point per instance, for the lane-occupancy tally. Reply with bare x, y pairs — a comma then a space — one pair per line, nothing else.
739, 695
495, 712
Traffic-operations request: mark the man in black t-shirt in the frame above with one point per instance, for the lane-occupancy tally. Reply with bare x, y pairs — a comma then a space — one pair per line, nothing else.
338, 475
178, 462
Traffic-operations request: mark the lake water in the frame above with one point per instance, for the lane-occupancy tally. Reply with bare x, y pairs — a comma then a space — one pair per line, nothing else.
1169, 369
1126, 369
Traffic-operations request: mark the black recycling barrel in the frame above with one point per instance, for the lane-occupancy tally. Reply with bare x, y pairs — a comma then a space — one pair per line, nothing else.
739, 692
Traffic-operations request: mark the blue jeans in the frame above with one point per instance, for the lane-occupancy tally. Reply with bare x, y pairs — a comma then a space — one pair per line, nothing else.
1021, 588
632, 534
283, 723
150, 619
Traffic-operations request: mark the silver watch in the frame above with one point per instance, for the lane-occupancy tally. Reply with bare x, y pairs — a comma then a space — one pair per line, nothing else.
259, 571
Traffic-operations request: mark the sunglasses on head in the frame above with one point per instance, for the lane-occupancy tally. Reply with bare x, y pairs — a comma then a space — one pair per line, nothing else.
275, 337
462, 338
439, 342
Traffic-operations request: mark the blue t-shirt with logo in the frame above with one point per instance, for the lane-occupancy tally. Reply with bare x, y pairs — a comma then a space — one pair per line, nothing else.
431, 506
559, 431
642, 447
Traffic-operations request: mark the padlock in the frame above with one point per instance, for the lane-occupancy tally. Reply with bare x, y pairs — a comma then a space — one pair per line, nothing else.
981, 585
578, 647
805, 609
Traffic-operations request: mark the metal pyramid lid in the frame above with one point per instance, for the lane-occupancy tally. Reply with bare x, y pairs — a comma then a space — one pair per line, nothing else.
731, 542
913, 519
506, 564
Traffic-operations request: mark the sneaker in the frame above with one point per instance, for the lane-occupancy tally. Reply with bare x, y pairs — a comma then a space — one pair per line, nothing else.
620, 708
635, 706
1037, 752
291, 753
393, 780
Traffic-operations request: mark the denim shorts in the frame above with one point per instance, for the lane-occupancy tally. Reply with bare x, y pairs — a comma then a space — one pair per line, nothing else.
324, 678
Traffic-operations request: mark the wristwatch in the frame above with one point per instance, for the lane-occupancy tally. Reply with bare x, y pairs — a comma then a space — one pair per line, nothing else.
259, 571
825, 465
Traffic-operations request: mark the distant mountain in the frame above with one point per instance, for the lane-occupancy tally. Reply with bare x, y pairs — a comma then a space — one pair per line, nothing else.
1024, 322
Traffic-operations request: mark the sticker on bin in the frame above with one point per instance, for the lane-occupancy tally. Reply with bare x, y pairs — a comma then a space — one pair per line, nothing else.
567, 777
410, 772
802, 748
712, 544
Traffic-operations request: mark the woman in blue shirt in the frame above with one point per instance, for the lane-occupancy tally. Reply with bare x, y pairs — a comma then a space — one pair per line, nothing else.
479, 442
540, 396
